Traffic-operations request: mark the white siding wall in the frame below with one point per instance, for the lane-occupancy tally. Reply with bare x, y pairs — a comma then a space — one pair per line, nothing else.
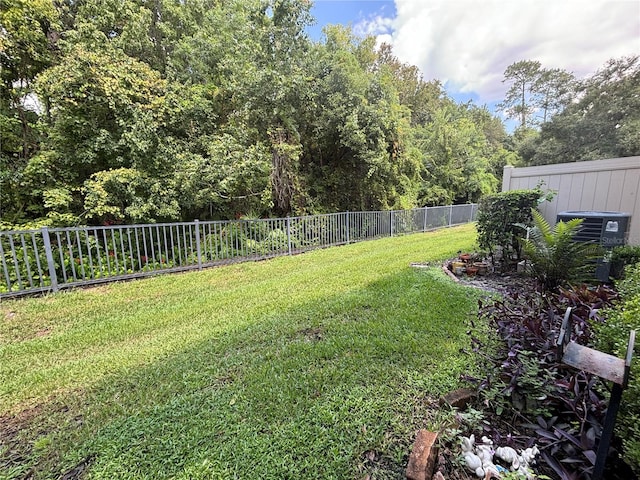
597, 185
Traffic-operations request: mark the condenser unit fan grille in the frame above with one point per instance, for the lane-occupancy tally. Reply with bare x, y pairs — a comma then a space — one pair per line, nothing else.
590, 230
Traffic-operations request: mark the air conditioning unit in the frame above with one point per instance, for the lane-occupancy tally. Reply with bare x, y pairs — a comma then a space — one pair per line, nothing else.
608, 229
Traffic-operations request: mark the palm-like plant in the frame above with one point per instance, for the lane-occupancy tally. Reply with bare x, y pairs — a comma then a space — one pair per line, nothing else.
555, 257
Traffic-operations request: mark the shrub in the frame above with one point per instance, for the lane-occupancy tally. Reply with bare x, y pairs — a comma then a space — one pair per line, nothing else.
612, 337
623, 256
555, 257
498, 219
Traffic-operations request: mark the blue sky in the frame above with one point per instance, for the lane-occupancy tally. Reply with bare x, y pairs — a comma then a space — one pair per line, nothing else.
467, 44
348, 11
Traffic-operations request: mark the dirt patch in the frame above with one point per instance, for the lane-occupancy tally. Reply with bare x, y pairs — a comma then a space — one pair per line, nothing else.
78, 471
14, 450
43, 332
312, 334
33, 428
497, 283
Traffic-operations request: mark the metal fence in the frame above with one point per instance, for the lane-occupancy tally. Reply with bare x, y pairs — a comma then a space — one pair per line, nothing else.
50, 259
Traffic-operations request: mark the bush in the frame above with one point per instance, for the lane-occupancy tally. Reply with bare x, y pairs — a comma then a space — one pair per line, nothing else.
623, 256
498, 219
612, 337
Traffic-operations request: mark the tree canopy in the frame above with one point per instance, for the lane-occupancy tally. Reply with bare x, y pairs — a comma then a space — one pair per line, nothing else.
146, 111
588, 119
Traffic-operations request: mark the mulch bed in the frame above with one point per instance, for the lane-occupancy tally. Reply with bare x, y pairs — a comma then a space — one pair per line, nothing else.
450, 462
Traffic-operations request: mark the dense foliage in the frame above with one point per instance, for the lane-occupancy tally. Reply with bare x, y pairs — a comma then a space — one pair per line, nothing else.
597, 117
135, 111
612, 337
622, 256
500, 220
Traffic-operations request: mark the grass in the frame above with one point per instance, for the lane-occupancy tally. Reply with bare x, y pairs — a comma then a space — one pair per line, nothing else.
315, 366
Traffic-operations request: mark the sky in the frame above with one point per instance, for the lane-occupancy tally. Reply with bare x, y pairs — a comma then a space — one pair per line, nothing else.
468, 44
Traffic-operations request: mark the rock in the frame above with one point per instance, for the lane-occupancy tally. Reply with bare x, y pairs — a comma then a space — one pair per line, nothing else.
459, 398
423, 456
438, 476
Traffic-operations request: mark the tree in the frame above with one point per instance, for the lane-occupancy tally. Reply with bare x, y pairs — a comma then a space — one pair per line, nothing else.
101, 113
518, 102
357, 151
554, 89
457, 159
28, 34
602, 122
421, 97
159, 110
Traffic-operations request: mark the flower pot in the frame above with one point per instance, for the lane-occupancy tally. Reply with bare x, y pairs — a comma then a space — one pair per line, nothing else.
457, 268
472, 270
483, 267
465, 257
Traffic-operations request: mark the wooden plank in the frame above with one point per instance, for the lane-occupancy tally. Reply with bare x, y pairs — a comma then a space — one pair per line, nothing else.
593, 361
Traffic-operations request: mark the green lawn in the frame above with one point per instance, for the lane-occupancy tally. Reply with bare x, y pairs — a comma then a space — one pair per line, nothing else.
320, 365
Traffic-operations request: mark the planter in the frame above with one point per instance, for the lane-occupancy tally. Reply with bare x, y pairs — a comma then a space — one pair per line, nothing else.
483, 267
465, 257
457, 267
472, 270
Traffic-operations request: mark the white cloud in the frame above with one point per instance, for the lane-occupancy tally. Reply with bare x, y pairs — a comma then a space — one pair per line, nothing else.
374, 25
468, 44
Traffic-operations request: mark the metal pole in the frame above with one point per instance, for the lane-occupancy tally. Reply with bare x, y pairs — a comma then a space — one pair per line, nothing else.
289, 234
607, 432
391, 223
347, 225
450, 214
424, 227
49, 254
198, 251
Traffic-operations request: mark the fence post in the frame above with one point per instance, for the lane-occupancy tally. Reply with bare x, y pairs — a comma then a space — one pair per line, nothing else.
289, 234
198, 250
450, 214
471, 215
347, 226
49, 254
391, 223
424, 227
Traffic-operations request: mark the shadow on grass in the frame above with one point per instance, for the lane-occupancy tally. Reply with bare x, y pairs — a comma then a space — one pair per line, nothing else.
327, 389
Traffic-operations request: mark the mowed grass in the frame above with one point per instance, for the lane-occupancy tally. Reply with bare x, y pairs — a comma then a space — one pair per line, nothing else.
320, 365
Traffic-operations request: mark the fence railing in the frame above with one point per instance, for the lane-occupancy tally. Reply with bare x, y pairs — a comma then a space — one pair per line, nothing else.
50, 259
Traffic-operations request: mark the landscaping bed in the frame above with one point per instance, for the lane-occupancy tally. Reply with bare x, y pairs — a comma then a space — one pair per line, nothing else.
528, 397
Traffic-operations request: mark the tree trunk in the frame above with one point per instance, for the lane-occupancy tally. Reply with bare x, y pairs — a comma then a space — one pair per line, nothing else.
283, 172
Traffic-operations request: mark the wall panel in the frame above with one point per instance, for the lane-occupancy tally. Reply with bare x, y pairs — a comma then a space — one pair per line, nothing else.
597, 185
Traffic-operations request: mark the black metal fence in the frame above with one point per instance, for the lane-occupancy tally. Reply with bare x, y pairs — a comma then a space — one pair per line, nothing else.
49, 259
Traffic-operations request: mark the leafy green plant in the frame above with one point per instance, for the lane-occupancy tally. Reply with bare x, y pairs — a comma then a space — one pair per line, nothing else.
498, 219
621, 257
612, 337
555, 257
